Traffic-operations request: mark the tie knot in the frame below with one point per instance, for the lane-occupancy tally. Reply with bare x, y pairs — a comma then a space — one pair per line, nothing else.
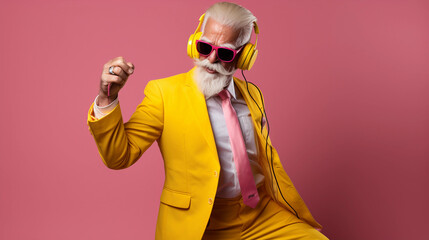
224, 94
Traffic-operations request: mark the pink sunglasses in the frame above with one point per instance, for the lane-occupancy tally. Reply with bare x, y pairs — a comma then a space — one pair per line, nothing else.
223, 53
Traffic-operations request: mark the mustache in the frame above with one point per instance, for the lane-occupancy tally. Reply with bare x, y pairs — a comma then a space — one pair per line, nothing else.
214, 66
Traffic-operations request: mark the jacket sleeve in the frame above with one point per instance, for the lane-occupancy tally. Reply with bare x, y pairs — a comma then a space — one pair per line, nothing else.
121, 145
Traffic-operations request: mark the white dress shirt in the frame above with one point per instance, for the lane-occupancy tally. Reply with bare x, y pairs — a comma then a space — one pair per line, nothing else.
229, 186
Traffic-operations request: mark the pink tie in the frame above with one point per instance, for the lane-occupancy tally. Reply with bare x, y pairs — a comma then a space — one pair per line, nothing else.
241, 160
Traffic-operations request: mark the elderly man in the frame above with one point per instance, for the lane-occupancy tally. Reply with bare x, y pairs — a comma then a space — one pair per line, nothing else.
223, 178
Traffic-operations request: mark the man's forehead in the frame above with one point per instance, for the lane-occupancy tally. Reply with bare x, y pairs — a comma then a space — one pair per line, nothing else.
219, 34
226, 45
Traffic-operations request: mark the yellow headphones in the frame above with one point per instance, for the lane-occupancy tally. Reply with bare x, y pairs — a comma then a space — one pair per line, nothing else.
248, 54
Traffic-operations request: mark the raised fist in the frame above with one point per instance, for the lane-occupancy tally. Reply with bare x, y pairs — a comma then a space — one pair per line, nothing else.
113, 78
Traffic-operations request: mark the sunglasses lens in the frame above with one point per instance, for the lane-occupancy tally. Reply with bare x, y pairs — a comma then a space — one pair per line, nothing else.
225, 54
204, 48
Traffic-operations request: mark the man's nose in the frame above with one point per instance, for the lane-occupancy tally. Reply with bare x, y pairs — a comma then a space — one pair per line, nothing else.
212, 57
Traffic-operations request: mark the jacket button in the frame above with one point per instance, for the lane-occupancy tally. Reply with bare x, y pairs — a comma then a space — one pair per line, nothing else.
215, 173
210, 201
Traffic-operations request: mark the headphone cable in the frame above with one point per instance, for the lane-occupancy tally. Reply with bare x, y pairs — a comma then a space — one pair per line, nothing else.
266, 139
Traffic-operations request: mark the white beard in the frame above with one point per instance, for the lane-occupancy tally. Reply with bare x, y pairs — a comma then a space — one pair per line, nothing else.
211, 84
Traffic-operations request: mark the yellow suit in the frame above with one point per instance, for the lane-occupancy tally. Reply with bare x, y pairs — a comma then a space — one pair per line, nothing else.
174, 113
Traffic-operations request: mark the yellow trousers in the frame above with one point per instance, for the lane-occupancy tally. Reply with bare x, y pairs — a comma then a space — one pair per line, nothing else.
231, 219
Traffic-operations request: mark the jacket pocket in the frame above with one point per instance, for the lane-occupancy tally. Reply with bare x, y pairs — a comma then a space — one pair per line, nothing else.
175, 199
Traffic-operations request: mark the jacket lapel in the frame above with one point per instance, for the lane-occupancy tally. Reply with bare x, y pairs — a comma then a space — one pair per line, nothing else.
260, 133
253, 108
199, 107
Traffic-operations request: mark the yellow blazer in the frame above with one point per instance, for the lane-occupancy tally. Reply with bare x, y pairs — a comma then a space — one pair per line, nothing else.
174, 113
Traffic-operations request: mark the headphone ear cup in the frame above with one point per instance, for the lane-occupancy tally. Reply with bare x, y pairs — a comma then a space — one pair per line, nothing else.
192, 45
247, 57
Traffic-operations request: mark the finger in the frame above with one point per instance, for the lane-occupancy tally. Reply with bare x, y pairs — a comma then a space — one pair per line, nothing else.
112, 63
119, 72
109, 78
121, 63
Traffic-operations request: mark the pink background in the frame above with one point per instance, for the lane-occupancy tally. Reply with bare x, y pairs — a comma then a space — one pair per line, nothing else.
347, 92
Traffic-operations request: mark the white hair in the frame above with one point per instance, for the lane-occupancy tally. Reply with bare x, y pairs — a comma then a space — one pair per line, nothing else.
233, 15
211, 84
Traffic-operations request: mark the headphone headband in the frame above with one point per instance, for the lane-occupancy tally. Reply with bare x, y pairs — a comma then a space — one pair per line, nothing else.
256, 29
200, 23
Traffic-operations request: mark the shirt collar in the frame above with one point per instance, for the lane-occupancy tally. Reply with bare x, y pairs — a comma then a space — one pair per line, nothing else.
231, 88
